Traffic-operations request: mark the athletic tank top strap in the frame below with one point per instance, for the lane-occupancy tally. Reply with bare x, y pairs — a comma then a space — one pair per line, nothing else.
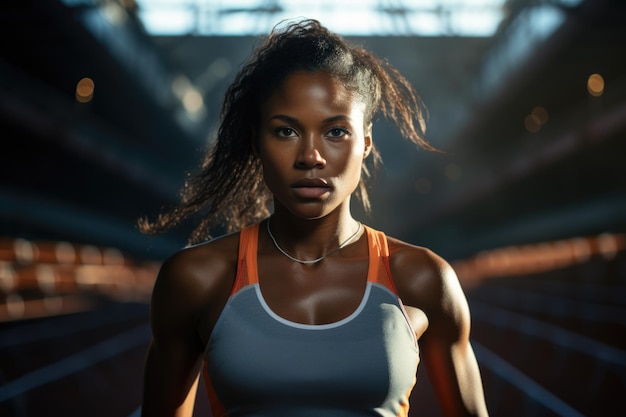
379, 270
247, 273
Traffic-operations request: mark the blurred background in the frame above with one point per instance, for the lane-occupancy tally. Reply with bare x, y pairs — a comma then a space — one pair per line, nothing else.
106, 106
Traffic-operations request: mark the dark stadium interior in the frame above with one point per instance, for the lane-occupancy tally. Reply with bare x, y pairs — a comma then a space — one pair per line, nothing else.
527, 199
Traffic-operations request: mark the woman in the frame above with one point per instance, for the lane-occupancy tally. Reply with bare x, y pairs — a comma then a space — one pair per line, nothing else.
304, 312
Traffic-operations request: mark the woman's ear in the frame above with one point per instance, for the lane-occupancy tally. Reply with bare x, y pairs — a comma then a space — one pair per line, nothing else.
368, 141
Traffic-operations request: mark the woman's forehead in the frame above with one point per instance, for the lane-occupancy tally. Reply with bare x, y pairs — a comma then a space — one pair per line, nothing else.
316, 87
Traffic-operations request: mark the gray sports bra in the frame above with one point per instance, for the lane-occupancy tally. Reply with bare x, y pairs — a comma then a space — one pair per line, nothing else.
260, 364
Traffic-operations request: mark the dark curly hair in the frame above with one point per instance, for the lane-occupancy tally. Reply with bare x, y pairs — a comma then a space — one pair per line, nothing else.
229, 190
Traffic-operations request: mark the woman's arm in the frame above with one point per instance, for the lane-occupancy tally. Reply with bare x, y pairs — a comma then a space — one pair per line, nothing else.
174, 356
188, 295
447, 352
429, 283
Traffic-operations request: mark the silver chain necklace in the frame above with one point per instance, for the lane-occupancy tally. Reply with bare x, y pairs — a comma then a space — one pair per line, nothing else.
312, 261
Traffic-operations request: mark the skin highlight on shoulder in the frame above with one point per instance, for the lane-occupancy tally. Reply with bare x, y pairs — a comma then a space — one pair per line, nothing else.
426, 282
197, 280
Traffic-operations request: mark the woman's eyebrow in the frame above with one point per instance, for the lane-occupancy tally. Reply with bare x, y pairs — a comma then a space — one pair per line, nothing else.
337, 118
290, 119
285, 118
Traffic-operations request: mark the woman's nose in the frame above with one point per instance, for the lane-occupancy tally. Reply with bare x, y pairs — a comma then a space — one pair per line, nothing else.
310, 155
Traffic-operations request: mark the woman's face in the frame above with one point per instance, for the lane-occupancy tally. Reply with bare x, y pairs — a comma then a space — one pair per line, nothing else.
312, 144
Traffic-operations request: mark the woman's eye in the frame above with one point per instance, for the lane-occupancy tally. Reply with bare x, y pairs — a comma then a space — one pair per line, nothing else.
337, 132
285, 132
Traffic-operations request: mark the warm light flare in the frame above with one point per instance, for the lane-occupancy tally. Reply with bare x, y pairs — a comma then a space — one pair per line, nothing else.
532, 123
536, 119
595, 85
541, 114
192, 101
84, 90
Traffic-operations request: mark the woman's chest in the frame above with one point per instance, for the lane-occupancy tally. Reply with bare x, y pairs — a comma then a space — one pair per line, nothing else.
255, 355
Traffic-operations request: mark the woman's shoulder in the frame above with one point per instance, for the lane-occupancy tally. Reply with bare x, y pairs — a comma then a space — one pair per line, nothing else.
223, 249
423, 278
410, 260
199, 271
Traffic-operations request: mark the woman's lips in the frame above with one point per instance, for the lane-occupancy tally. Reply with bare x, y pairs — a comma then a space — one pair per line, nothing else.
310, 192
311, 188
